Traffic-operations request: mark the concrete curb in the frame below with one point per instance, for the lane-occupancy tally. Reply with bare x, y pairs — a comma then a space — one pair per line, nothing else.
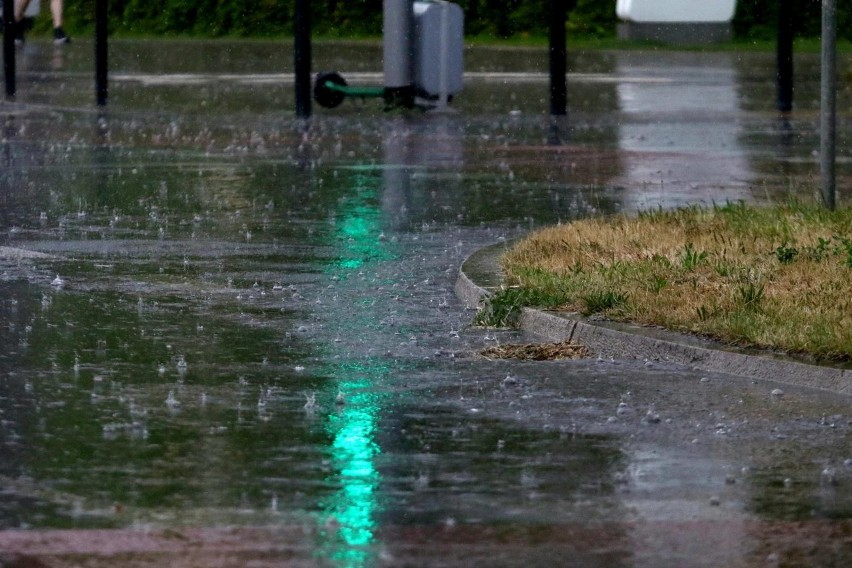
480, 276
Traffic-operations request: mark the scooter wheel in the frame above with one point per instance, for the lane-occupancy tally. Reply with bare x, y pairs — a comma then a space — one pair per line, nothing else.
323, 95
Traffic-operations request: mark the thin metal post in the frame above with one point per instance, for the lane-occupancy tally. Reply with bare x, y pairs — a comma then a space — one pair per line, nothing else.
302, 51
101, 52
443, 79
558, 59
828, 102
784, 56
9, 48
397, 51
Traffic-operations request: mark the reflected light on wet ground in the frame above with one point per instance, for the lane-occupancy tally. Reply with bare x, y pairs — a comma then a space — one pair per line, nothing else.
229, 336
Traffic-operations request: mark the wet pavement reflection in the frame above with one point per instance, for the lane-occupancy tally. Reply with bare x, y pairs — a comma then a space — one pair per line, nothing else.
231, 336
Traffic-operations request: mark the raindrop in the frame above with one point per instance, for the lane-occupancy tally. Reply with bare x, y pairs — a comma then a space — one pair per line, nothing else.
332, 524
652, 417
310, 402
340, 399
181, 363
57, 282
777, 392
171, 401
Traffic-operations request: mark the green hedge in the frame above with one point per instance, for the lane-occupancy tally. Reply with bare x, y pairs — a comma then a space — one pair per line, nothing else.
758, 19
500, 18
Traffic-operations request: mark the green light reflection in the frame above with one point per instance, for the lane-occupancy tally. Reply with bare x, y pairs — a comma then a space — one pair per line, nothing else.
352, 509
349, 515
359, 226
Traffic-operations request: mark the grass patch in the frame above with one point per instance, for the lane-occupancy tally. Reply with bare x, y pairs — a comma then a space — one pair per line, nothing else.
502, 308
776, 277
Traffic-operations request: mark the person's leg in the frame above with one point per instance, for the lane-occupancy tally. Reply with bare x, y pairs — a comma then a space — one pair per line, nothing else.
20, 8
56, 11
58, 33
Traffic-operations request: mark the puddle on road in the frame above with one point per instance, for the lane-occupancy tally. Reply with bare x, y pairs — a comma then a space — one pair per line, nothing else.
256, 326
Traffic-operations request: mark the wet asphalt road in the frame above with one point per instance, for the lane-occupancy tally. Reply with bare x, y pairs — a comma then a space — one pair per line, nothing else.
238, 343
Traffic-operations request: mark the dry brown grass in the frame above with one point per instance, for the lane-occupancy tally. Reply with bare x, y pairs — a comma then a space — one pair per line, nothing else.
777, 277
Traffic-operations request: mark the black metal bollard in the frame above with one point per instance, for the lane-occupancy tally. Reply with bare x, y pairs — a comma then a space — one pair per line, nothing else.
302, 55
101, 52
9, 48
558, 59
784, 56
828, 103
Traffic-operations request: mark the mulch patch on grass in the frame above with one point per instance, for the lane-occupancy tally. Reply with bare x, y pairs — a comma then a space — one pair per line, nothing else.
537, 351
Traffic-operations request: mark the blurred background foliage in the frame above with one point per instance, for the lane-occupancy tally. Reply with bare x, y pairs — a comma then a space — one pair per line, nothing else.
755, 19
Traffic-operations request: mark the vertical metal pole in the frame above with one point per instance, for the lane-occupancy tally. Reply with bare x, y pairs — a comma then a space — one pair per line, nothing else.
784, 56
302, 51
443, 87
828, 102
101, 52
558, 59
9, 48
397, 50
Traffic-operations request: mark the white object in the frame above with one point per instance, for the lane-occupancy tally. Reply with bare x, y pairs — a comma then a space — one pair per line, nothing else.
438, 49
682, 11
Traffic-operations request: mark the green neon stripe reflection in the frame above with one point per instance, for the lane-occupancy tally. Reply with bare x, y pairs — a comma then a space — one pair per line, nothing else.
354, 506
359, 226
349, 514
